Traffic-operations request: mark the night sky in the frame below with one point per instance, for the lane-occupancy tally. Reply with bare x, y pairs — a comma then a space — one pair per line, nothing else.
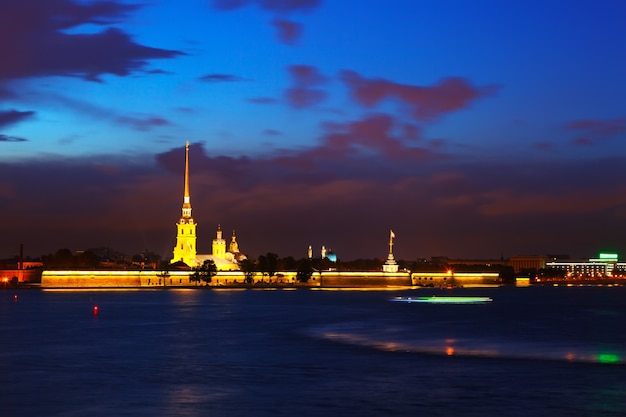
473, 129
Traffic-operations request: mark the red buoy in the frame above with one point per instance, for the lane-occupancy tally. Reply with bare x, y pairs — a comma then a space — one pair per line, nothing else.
95, 310
15, 298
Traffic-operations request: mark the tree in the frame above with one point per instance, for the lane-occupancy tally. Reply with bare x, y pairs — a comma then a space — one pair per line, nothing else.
268, 264
305, 270
248, 268
205, 272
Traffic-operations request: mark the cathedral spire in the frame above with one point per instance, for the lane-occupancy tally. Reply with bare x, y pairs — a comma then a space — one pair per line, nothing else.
185, 249
186, 198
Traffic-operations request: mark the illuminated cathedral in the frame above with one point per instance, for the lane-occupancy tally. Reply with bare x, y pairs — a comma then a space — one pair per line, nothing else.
186, 249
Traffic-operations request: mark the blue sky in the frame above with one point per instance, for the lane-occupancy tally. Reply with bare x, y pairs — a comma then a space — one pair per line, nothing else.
473, 129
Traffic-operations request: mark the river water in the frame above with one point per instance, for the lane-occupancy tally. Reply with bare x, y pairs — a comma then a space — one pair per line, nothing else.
538, 351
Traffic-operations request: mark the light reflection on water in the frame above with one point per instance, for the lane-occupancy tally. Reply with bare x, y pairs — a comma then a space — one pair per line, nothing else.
229, 353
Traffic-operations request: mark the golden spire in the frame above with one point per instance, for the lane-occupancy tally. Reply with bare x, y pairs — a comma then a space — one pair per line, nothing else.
186, 199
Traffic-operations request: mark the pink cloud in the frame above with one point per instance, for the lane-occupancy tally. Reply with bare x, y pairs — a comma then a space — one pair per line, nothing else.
596, 129
509, 202
427, 103
304, 92
280, 6
288, 32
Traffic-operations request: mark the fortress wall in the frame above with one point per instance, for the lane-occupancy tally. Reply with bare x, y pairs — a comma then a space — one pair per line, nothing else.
439, 279
365, 279
90, 279
156, 279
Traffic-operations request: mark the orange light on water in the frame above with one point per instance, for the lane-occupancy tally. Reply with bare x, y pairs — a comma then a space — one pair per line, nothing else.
449, 351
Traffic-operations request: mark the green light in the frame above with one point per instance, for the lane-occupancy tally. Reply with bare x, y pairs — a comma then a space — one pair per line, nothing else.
608, 256
608, 358
444, 300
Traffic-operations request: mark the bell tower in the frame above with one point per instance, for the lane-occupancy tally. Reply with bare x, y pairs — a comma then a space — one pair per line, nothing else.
219, 244
185, 249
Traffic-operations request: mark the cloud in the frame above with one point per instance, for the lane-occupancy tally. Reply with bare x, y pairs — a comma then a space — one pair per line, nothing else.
304, 92
219, 78
278, 6
594, 129
372, 135
288, 32
143, 123
427, 103
272, 132
135, 121
5, 138
285, 201
263, 100
9, 117
32, 25
544, 146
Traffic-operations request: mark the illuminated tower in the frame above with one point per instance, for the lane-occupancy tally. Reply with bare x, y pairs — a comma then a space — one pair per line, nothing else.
234, 246
219, 244
390, 265
185, 249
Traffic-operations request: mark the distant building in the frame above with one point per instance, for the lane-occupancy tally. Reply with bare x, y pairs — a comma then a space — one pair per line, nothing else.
603, 266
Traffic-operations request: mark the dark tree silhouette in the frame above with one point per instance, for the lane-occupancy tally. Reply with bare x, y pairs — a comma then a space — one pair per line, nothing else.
205, 272
248, 268
268, 264
305, 270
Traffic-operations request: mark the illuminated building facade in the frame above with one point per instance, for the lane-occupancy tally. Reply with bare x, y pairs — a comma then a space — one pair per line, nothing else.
603, 266
185, 249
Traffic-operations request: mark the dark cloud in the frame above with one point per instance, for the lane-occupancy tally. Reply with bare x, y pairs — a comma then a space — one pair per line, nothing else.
288, 32
34, 41
279, 6
9, 117
5, 138
286, 201
427, 103
220, 78
305, 92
